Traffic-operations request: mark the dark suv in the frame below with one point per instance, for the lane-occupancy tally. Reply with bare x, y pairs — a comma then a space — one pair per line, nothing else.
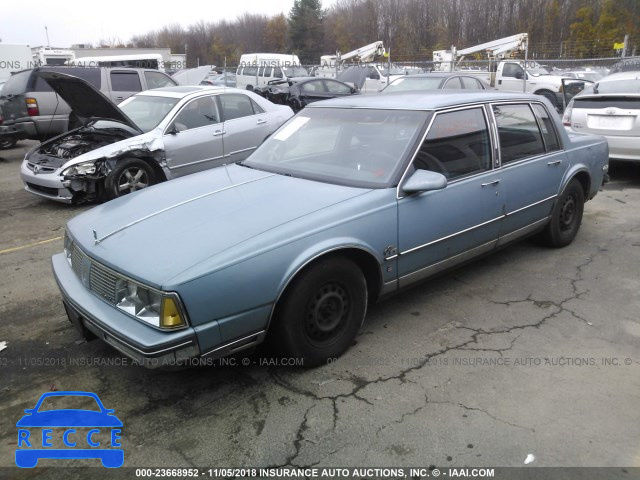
30, 109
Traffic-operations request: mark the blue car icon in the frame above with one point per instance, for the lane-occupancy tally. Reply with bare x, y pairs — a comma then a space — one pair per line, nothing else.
77, 444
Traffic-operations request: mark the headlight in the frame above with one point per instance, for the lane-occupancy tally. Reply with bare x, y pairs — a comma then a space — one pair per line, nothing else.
149, 305
67, 246
80, 169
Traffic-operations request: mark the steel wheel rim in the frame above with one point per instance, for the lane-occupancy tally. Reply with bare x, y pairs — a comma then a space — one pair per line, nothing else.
568, 213
327, 313
132, 179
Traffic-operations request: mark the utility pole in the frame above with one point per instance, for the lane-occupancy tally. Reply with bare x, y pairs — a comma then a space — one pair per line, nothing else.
46, 30
626, 45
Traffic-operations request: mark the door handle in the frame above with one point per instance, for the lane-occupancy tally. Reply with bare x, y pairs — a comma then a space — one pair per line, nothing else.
261, 122
495, 182
555, 162
217, 133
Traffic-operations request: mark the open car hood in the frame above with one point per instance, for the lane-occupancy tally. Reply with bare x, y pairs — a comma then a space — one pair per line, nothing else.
85, 101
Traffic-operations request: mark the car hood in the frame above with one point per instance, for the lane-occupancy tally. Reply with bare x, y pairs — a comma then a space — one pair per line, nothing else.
221, 215
192, 76
69, 418
85, 100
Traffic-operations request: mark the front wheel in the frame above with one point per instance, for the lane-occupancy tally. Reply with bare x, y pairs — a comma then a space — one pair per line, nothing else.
321, 312
566, 217
129, 175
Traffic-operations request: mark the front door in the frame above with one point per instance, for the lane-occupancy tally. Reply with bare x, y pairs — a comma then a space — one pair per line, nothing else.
441, 228
193, 141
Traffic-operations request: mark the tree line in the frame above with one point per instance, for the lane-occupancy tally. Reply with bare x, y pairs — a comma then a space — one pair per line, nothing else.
411, 29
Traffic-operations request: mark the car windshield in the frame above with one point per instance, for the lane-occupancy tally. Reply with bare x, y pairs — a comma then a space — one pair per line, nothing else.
413, 83
355, 147
536, 69
148, 111
628, 85
295, 71
68, 402
393, 71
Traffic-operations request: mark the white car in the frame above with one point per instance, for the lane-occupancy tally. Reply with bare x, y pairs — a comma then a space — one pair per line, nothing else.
611, 108
153, 136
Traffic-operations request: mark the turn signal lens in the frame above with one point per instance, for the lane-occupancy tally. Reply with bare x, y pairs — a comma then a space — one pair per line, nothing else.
170, 317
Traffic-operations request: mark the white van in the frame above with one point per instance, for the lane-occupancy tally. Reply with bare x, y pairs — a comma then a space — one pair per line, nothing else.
258, 69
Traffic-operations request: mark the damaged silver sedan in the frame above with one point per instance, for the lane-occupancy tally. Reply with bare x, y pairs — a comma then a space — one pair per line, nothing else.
151, 137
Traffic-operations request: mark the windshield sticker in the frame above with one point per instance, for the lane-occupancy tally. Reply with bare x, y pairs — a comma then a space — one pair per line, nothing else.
291, 128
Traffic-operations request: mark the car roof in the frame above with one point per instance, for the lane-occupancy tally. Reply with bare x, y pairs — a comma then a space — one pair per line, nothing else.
417, 100
184, 91
445, 74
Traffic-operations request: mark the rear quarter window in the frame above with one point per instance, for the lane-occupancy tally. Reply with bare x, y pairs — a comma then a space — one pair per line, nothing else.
16, 84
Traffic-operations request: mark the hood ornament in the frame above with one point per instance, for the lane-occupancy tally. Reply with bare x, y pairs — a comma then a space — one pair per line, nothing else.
95, 238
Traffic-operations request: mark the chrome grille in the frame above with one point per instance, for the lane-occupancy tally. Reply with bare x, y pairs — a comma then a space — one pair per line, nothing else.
102, 282
41, 169
76, 260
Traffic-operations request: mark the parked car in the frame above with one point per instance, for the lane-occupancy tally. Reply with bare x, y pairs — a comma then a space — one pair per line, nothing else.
256, 70
371, 78
220, 80
349, 201
154, 136
610, 107
32, 110
436, 81
583, 75
301, 91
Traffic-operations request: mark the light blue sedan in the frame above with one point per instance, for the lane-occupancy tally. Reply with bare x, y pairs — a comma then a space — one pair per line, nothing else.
349, 201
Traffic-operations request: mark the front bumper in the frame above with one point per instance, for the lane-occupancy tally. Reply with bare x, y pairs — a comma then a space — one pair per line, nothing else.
12, 131
146, 345
47, 184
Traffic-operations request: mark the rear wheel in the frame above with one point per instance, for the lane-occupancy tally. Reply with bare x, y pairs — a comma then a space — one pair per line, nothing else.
321, 312
566, 217
129, 175
8, 142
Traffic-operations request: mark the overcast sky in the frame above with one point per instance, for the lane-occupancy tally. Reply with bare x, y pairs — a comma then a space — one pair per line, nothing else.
83, 21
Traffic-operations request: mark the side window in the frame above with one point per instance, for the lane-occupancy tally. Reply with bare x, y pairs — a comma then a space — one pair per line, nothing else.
453, 84
261, 71
158, 79
336, 87
471, 83
235, 105
251, 71
277, 72
457, 144
549, 133
267, 72
239, 70
200, 112
315, 86
518, 132
511, 69
125, 82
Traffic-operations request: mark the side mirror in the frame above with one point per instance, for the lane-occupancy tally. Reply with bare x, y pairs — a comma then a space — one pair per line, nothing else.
173, 130
519, 75
424, 181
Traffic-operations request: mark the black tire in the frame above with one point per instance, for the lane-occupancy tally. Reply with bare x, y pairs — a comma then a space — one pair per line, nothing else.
549, 95
566, 217
8, 142
295, 105
249, 87
321, 312
129, 175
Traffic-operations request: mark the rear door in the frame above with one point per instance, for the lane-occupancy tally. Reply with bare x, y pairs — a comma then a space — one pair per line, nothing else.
123, 84
532, 165
246, 125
